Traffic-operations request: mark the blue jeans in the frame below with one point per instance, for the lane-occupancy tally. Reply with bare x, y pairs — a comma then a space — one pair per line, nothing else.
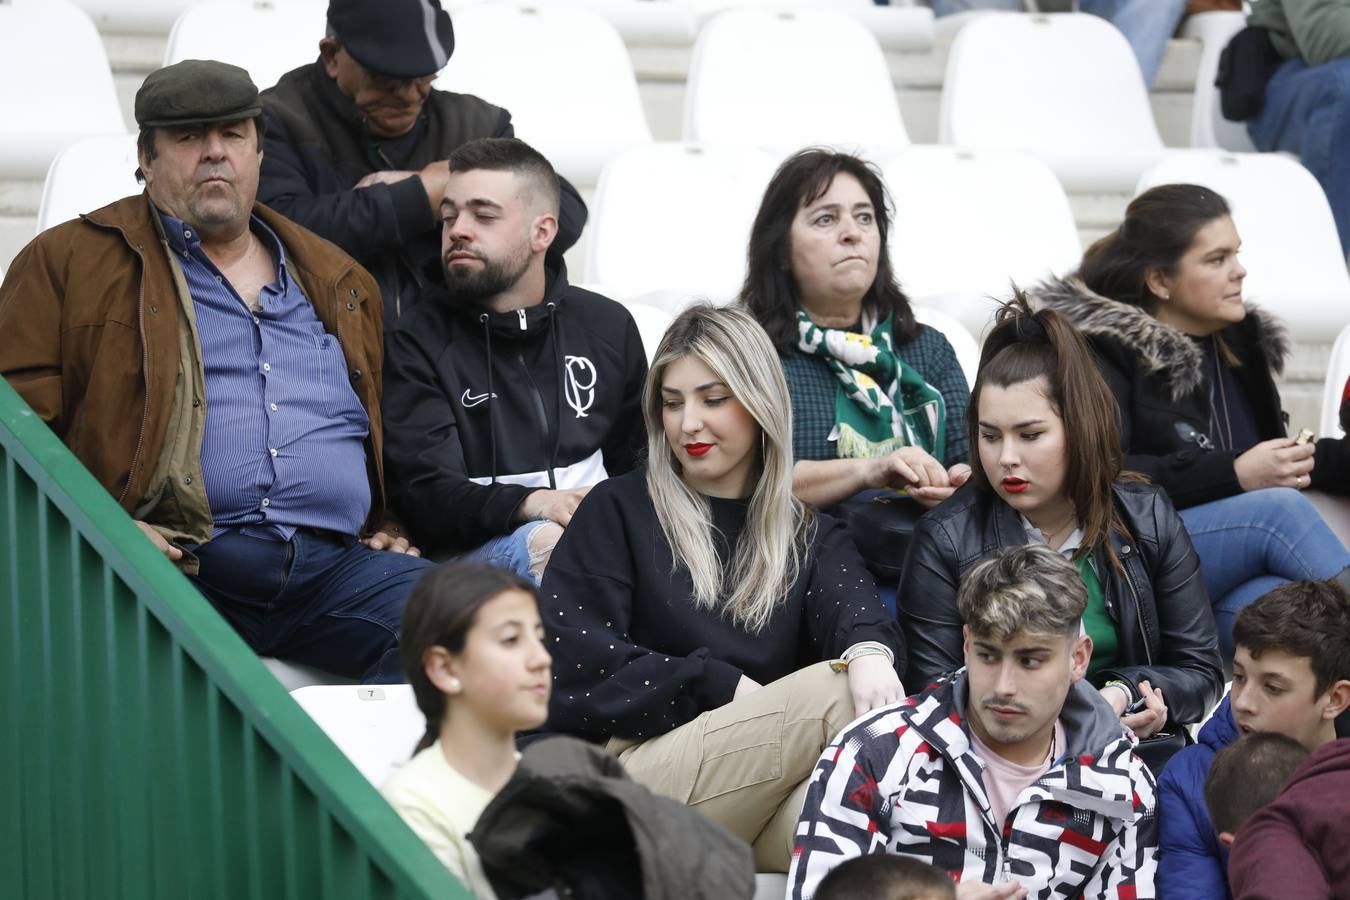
508, 551
1253, 542
320, 598
1147, 24
1307, 112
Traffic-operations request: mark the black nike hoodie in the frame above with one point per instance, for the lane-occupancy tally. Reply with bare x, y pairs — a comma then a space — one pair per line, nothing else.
483, 408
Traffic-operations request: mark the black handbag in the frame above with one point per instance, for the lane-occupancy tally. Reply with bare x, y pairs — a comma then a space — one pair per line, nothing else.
881, 523
1157, 749
1245, 67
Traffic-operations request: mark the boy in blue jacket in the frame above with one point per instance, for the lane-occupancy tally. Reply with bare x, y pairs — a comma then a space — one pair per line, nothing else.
1291, 675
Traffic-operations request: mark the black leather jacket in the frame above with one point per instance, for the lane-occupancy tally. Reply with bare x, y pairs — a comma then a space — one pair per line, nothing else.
1159, 603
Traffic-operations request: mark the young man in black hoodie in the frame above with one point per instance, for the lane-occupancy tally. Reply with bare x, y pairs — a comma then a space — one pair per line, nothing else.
507, 401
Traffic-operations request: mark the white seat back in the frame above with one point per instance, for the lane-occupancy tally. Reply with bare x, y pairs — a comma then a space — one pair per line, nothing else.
752, 81
58, 87
660, 22
1338, 370
87, 175
1290, 249
962, 341
377, 727
563, 73
676, 216
652, 324
267, 40
969, 223
1208, 126
1065, 88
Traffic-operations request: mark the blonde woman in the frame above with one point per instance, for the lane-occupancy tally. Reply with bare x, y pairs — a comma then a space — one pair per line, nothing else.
692, 608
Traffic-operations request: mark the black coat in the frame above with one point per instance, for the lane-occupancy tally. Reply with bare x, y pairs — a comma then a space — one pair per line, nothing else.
1159, 603
482, 408
1158, 377
570, 819
317, 149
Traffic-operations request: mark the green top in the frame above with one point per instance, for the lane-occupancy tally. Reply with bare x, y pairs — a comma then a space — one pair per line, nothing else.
1096, 620
1316, 30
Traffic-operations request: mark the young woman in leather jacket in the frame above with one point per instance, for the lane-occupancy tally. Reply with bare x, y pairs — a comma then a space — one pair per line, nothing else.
1047, 468
1192, 368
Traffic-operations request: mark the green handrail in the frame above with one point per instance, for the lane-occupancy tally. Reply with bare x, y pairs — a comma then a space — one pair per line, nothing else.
146, 751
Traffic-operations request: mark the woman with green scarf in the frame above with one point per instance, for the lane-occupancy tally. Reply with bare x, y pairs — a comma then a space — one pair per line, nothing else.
878, 400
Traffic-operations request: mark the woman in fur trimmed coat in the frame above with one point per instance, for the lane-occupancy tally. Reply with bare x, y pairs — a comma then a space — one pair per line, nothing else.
1193, 369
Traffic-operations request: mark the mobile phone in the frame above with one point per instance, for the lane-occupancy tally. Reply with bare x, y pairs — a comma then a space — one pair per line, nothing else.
1136, 706
1304, 435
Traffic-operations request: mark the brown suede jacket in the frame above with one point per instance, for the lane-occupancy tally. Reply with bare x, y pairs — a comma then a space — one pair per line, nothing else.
95, 340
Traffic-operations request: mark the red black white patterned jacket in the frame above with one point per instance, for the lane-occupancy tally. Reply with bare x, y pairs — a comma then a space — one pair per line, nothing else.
904, 780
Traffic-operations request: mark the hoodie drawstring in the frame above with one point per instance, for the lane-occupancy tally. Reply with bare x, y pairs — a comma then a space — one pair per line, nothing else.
492, 407
557, 394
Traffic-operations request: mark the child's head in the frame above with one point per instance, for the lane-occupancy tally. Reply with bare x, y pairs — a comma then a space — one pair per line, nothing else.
1246, 775
473, 644
1291, 672
883, 876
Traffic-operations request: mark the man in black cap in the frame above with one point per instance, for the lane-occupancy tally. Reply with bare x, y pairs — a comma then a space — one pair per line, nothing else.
218, 369
357, 143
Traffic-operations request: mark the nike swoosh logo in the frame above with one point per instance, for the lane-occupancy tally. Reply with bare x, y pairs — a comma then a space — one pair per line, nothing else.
470, 400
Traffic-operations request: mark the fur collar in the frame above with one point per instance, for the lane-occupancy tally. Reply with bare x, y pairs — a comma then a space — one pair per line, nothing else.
1162, 349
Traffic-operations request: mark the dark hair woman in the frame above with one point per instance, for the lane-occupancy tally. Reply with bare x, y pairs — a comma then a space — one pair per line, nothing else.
1192, 369
877, 398
473, 649
1048, 469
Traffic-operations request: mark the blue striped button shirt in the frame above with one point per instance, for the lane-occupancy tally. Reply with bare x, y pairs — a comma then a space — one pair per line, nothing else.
284, 442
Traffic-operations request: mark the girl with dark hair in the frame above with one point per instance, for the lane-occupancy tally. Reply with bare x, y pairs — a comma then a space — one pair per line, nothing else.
1192, 369
473, 649
708, 626
877, 398
1048, 469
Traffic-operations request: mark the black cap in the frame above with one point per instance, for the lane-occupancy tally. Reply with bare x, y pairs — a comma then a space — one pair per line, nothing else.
195, 91
398, 38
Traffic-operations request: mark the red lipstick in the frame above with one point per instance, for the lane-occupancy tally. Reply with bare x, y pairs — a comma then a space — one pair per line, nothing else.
1014, 485
697, 449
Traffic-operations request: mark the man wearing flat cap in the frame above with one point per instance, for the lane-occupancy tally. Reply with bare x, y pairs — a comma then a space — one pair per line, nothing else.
357, 144
217, 368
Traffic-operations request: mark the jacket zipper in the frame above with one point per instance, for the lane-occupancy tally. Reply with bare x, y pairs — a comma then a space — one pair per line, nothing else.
1138, 605
538, 407
145, 373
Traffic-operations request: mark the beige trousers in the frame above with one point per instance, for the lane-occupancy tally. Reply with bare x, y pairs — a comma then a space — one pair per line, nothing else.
745, 765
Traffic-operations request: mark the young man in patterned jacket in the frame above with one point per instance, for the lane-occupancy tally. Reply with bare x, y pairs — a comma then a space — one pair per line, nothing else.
1012, 774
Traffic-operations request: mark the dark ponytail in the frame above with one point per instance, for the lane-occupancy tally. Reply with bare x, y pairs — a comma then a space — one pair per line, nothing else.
1025, 345
1160, 226
441, 609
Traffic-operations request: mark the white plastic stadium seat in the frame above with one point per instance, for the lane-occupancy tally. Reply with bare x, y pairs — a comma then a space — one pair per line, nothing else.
652, 324
87, 175
377, 727
562, 71
969, 223
1338, 370
58, 87
266, 39
294, 675
1208, 126
962, 341
787, 78
678, 216
1065, 88
660, 22
1295, 268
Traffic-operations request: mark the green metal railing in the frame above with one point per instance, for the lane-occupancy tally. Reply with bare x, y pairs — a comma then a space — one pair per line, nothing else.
145, 750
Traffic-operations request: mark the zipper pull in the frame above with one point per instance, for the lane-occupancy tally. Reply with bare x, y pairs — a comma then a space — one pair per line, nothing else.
523, 325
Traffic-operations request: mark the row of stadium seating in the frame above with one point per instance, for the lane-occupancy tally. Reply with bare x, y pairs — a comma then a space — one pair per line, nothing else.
772, 78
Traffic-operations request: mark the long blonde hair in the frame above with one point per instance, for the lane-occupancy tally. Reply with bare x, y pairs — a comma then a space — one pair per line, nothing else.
768, 557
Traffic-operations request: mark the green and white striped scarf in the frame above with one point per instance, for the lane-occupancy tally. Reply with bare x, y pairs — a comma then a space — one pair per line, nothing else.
881, 404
